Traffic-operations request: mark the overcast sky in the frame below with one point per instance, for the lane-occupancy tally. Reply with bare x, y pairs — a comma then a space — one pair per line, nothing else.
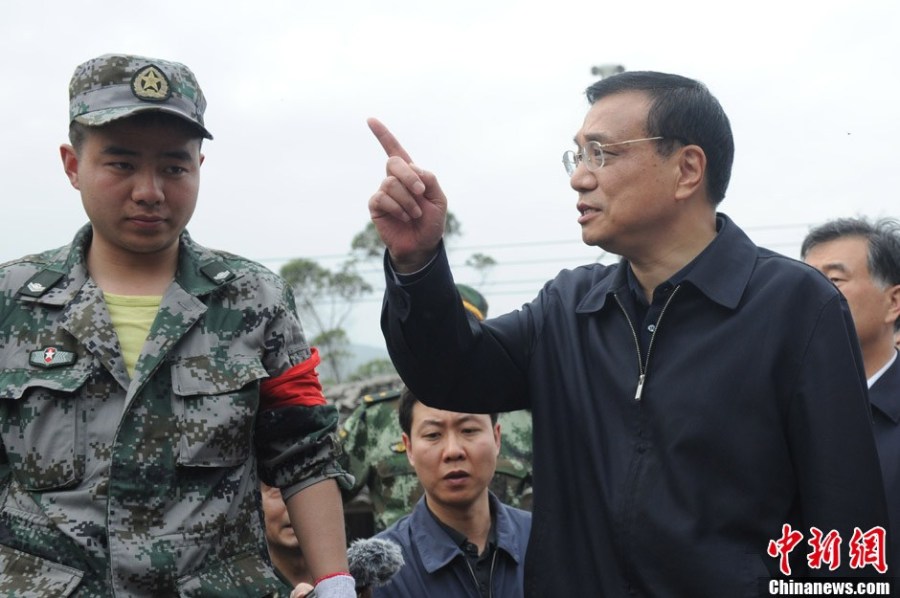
487, 94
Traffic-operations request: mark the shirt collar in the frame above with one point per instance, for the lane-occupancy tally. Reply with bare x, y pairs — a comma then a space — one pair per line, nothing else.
871, 381
634, 284
199, 272
721, 271
884, 390
436, 549
458, 537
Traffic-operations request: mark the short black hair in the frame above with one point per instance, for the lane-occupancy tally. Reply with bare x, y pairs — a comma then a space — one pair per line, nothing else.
405, 411
882, 236
682, 110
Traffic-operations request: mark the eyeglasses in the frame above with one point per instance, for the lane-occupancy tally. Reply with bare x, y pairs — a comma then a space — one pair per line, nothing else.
592, 154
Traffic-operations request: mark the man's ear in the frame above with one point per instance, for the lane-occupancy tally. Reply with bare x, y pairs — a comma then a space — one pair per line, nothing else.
407, 445
692, 170
497, 436
893, 298
70, 163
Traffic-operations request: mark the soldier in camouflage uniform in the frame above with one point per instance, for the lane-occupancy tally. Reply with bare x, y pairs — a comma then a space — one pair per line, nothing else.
374, 453
147, 383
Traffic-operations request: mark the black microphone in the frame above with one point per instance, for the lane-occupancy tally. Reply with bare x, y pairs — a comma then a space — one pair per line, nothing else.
372, 562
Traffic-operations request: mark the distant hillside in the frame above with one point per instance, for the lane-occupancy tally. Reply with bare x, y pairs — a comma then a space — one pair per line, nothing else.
365, 353
362, 354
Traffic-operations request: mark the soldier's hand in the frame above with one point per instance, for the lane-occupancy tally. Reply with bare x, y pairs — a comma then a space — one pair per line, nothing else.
301, 590
409, 208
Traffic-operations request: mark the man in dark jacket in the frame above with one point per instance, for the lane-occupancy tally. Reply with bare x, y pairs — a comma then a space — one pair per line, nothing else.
696, 407
862, 259
459, 540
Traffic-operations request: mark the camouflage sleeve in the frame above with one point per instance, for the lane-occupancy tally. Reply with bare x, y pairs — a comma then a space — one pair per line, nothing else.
285, 344
353, 435
4, 465
296, 430
513, 478
300, 447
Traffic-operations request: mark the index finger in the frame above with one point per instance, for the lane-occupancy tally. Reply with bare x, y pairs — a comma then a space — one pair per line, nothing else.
387, 140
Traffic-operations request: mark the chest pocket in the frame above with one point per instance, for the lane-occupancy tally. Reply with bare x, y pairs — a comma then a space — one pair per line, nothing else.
245, 575
215, 404
41, 425
23, 574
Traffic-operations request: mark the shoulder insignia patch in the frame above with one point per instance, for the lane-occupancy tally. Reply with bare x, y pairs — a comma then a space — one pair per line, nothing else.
217, 272
381, 397
40, 283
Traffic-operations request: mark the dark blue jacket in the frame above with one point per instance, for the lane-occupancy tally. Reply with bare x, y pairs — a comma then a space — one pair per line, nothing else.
885, 398
436, 567
753, 414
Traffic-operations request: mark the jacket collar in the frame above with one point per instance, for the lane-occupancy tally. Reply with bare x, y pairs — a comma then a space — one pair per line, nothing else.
64, 271
437, 549
721, 272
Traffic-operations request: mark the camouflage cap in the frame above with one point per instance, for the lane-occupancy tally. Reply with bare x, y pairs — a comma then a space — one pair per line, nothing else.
473, 301
115, 86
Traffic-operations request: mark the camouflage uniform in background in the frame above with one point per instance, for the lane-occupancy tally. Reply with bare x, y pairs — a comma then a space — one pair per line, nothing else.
374, 454
148, 486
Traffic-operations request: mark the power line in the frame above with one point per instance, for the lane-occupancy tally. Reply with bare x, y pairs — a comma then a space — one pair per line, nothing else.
533, 244
527, 286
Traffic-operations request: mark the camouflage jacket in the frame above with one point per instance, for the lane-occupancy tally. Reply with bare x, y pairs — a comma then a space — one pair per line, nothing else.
147, 486
374, 454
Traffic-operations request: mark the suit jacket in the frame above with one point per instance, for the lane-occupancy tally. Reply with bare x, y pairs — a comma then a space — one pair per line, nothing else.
885, 398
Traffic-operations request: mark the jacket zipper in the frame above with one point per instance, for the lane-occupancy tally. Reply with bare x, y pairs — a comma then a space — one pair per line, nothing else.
643, 364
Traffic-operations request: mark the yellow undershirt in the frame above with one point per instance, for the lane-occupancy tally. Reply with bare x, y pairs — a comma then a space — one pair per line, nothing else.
132, 316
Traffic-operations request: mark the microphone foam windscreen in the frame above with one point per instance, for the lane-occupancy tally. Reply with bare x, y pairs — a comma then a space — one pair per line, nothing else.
373, 561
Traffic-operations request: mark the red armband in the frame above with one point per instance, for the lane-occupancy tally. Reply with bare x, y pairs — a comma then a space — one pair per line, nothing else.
298, 386
330, 575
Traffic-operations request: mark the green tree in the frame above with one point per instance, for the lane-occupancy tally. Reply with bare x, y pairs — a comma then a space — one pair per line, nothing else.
482, 264
325, 300
370, 369
368, 244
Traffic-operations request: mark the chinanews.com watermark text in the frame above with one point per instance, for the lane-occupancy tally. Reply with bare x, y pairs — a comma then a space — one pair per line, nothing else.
864, 550
832, 587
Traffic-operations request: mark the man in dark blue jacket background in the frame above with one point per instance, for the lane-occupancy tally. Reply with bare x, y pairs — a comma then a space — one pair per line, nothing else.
696, 407
459, 540
862, 259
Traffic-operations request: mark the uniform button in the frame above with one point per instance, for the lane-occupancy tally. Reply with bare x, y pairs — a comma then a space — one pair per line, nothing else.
652, 327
